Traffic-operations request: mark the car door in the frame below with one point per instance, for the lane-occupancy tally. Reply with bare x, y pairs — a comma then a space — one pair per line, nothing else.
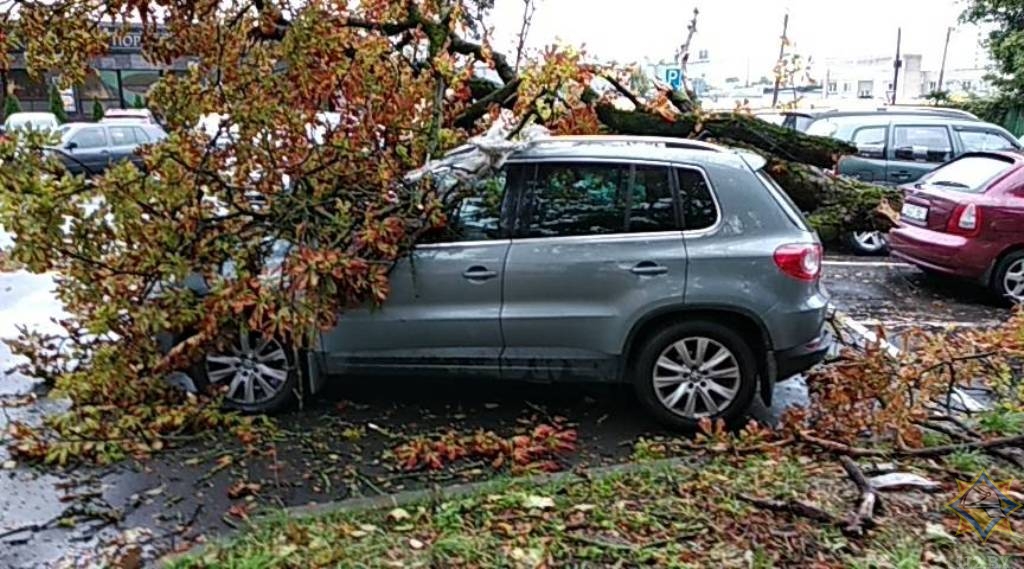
596, 244
916, 149
443, 312
122, 143
88, 150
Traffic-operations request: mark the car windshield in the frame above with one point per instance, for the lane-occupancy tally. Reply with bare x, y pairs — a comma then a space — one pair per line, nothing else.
968, 174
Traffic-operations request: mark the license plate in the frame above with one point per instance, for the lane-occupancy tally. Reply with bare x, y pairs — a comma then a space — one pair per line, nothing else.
914, 212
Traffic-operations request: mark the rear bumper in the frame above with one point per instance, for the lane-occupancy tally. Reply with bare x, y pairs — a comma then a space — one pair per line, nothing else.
803, 357
941, 252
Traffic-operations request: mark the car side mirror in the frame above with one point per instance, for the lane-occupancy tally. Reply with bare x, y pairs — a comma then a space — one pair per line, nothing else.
71, 145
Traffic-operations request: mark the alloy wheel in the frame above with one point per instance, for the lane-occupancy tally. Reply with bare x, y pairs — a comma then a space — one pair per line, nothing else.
870, 241
696, 377
1013, 281
255, 370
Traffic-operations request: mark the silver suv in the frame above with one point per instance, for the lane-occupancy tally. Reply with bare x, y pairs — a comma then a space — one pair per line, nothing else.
677, 266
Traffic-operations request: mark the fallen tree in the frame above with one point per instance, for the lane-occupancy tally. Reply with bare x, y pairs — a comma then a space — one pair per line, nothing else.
402, 81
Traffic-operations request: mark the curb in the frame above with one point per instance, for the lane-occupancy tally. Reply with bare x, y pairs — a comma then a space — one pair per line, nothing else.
442, 493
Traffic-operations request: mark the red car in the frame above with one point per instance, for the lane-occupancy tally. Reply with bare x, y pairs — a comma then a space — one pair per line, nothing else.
966, 219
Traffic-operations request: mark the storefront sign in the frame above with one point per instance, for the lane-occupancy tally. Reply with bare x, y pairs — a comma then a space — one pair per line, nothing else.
130, 41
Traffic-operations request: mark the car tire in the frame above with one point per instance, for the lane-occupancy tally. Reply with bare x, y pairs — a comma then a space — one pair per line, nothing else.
1008, 278
260, 375
677, 394
867, 243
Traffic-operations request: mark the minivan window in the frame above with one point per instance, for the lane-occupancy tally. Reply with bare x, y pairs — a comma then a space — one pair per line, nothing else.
699, 211
922, 143
870, 141
968, 174
980, 140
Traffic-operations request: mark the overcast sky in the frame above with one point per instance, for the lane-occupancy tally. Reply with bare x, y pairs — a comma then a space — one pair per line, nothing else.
737, 31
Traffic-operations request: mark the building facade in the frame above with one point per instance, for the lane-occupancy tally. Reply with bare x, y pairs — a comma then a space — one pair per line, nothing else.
121, 78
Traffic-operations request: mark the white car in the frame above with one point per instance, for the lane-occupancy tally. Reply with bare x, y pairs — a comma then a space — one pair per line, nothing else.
31, 121
128, 115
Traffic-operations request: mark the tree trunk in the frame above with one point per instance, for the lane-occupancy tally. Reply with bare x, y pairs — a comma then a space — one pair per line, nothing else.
796, 161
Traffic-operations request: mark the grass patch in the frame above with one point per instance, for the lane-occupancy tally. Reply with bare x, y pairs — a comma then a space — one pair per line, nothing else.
1003, 422
971, 461
678, 516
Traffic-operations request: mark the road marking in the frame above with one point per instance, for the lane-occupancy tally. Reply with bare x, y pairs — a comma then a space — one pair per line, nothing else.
828, 263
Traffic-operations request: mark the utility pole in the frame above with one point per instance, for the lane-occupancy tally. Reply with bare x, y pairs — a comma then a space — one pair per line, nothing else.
945, 49
782, 52
896, 65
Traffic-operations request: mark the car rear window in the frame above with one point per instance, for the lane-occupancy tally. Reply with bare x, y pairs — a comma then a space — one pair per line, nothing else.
784, 201
968, 174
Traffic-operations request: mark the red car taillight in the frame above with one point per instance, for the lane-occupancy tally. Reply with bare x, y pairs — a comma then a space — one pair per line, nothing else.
966, 220
802, 261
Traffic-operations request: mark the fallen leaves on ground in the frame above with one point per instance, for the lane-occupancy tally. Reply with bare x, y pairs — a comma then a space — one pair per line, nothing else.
537, 451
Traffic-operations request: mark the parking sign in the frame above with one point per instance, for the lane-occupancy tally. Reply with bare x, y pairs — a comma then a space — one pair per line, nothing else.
673, 76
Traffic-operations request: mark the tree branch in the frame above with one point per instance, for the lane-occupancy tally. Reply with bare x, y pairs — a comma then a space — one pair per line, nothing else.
501, 64
863, 519
625, 92
503, 96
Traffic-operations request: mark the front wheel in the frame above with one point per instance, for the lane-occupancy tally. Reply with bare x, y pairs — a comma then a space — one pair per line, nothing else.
868, 242
1008, 278
694, 370
257, 374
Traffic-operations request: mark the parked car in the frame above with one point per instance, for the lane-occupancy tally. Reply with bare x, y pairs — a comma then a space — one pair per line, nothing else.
91, 148
677, 266
34, 121
966, 219
129, 115
897, 149
802, 120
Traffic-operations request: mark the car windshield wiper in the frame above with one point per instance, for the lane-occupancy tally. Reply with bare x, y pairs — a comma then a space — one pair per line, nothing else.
950, 184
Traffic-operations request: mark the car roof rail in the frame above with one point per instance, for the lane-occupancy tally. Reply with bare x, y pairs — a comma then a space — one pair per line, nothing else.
579, 139
663, 141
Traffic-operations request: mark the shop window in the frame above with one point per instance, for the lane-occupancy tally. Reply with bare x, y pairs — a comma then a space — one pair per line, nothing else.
136, 86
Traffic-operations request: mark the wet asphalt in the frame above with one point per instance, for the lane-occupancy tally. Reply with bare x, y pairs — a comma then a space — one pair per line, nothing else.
337, 447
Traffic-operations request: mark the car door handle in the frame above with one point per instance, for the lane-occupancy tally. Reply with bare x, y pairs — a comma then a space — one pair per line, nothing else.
478, 273
648, 268
901, 175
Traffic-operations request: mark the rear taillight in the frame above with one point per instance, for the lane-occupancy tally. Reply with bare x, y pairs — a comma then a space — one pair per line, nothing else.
802, 261
966, 220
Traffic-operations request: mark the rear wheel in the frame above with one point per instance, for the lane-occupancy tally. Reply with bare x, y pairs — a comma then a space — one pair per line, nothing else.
868, 242
258, 374
694, 370
1008, 278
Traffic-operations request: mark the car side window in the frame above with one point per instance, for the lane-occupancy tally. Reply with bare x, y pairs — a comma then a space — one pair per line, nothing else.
140, 135
699, 210
577, 198
870, 141
121, 136
922, 143
90, 137
651, 207
478, 215
980, 140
